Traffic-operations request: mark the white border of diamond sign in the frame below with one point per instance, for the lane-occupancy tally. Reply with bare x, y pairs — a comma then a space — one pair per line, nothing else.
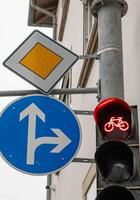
46, 85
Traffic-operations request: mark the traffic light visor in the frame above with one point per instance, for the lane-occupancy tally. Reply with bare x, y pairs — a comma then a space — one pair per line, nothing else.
113, 118
115, 193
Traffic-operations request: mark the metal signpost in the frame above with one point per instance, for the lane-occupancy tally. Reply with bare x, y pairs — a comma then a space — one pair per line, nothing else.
41, 61
39, 134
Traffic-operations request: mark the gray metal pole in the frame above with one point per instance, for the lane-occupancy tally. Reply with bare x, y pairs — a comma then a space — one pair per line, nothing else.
109, 13
48, 187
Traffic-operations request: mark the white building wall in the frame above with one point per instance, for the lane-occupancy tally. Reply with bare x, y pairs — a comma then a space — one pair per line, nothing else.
69, 181
131, 43
131, 53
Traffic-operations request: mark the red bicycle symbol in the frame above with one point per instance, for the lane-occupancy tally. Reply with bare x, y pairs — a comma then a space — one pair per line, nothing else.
116, 122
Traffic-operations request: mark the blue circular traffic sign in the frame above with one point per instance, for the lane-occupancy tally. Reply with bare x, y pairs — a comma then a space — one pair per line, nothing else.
39, 134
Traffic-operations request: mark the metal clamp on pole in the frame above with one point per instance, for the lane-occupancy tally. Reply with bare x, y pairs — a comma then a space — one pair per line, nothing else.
50, 187
99, 52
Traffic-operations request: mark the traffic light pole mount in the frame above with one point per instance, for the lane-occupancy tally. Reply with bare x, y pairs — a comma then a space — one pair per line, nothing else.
109, 13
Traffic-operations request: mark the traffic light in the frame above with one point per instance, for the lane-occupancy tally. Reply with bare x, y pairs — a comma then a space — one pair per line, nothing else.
117, 154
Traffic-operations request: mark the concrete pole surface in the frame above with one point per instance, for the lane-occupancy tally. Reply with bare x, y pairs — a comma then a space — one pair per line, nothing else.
109, 13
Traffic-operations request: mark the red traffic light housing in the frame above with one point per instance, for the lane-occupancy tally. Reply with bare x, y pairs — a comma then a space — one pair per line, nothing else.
113, 118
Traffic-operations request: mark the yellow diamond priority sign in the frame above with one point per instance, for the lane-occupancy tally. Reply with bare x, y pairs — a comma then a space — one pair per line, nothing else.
41, 61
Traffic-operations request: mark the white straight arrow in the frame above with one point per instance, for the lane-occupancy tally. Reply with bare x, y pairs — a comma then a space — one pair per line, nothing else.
62, 141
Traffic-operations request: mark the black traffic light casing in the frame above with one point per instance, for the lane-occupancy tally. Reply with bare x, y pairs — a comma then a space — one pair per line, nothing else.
115, 165
117, 154
115, 193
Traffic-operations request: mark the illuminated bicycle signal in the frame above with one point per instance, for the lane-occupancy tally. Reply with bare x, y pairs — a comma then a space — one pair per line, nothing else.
116, 122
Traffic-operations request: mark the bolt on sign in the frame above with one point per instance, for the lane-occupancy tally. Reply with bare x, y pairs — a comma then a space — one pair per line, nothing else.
41, 61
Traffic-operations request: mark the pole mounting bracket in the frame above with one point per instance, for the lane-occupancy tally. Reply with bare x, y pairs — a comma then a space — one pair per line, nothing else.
98, 90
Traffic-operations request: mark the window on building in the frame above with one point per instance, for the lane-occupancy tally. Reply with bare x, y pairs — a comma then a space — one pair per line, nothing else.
65, 8
88, 21
91, 193
62, 3
90, 41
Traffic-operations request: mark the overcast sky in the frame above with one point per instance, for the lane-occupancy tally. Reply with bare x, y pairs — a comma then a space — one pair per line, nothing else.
15, 185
